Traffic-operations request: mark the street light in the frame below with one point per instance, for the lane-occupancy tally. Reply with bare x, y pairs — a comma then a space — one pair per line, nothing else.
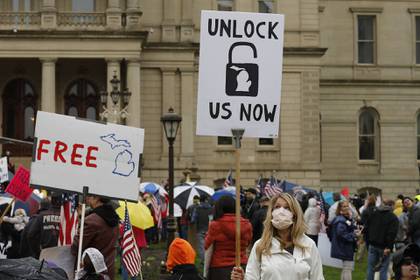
171, 123
115, 113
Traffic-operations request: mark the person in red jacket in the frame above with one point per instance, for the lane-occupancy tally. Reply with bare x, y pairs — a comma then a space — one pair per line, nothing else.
221, 234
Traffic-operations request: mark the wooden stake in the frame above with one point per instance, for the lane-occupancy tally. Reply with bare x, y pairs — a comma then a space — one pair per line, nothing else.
7, 209
82, 226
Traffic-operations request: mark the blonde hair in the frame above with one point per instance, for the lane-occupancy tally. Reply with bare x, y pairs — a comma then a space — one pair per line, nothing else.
298, 227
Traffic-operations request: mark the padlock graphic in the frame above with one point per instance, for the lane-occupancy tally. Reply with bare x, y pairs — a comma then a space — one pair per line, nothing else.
241, 78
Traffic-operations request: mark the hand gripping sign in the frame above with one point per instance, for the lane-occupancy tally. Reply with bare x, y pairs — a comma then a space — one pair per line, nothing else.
70, 153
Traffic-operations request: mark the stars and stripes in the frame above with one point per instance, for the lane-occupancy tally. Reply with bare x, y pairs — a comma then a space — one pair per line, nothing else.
260, 185
130, 252
68, 219
157, 212
229, 180
272, 187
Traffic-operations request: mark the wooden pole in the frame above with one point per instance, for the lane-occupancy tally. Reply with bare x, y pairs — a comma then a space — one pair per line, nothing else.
237, 136
82, 226
7, 209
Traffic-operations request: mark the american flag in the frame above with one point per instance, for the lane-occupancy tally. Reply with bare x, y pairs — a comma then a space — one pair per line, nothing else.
157, 212
229, 180
272, 187
130, 252
68, 220
260, 185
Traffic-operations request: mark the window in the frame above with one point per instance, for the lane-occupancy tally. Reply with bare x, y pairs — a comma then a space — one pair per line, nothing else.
21, 6
418, 137
266, 141
82, 100
83, 5
223, 140
225, 5
368, 135
19, 110
418, 40
366, 39
265, 6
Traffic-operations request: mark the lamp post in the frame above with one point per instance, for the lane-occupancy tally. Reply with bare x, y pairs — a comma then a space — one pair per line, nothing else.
115, 113
171, 123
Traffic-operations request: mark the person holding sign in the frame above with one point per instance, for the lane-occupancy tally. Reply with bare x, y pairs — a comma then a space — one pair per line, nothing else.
100, 231
284, 251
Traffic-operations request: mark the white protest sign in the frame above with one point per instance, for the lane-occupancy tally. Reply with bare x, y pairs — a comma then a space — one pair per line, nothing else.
241, 57
70, 153
4, 172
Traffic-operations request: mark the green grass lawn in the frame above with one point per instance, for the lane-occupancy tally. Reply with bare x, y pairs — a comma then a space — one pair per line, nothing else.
359, 272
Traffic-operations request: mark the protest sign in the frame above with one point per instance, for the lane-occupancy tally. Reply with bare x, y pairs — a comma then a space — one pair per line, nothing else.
4, 172
71, 153
19, 186
241, 56
324, 247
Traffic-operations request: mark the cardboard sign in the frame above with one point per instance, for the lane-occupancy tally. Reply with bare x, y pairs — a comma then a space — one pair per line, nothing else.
4, 172
19, 186
241, 57
70, 153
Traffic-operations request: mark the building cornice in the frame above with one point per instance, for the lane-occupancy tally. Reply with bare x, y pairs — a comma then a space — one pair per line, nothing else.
171, 46
304, 51
363, 83
79, 34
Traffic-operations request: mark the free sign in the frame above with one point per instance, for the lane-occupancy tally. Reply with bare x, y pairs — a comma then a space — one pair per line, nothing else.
241, 56
70, 153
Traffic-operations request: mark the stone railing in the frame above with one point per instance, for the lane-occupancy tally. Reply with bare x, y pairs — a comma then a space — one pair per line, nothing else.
77, 20
25, 20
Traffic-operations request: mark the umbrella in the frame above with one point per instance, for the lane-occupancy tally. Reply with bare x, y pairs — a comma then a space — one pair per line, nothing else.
149, 187
140, 215
31, 205
229, 191
177, 211
28, 268
184, 194
328, 197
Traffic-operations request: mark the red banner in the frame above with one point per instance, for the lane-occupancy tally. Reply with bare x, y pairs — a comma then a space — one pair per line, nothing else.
19, 186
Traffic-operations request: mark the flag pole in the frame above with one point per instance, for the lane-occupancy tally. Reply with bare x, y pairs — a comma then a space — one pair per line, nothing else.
7, 209
82, 226
237, 136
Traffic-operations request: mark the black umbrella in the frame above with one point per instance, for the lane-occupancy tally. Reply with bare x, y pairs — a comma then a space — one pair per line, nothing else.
184, 194
28, 269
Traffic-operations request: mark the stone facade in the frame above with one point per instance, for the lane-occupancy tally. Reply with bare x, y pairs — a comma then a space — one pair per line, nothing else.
154, 46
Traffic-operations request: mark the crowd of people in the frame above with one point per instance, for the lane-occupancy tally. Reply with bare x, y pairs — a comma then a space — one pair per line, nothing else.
279, 236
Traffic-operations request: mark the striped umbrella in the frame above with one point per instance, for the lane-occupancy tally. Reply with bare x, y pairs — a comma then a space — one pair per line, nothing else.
184, 194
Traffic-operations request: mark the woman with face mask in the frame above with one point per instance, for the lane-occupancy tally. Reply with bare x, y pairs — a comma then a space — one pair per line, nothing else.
284, 252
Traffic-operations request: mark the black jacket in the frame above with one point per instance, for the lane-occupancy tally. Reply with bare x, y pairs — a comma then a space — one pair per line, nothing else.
257, 221
250, 207
185, 272
414, 223
44, 230
204, 210
383, 227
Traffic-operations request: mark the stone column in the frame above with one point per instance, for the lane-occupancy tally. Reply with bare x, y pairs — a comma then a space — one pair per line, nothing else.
48, 14
187, 113
168, 99
133, 15
168, 24
48, 85
133, 84
113, 67
187, 26
113, 15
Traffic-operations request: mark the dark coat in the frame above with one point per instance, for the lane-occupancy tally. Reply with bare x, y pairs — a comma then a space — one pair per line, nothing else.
185, 272
100, 232
383, 227
44, 230
414, 223
250, 208
203, 212
343, 239
257, 221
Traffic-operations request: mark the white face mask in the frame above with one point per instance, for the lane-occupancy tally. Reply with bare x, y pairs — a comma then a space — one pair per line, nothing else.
282, 218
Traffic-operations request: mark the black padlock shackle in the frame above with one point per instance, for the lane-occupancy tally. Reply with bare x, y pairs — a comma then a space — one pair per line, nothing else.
234, 45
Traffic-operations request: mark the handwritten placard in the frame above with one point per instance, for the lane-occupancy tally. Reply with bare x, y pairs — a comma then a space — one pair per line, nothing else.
19, 186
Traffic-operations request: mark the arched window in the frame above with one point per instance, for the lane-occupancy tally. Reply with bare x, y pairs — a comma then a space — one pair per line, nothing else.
82, 100
418, 136
368, 135
19, 110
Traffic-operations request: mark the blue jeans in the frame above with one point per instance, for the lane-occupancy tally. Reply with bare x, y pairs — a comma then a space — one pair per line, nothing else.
200, 242
374, 256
